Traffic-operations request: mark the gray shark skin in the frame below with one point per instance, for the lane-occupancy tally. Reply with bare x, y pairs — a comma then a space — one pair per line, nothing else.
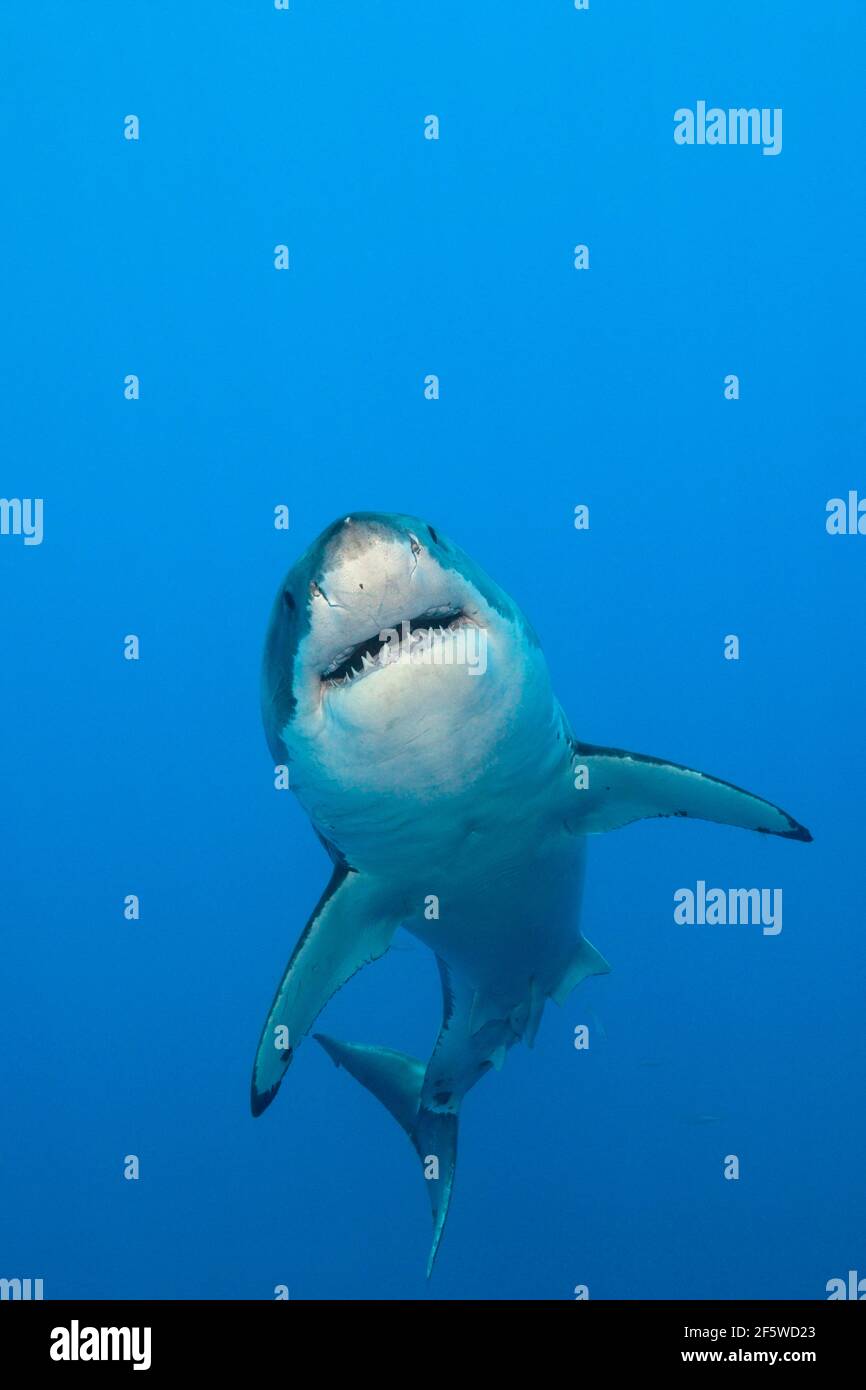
427, 779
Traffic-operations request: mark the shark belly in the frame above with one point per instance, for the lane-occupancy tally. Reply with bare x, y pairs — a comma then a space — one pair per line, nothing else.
507, 919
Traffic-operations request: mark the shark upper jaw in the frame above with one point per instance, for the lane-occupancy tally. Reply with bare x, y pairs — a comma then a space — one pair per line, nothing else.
412, 638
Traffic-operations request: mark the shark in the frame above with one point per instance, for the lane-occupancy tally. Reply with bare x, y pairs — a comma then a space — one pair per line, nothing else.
409, 698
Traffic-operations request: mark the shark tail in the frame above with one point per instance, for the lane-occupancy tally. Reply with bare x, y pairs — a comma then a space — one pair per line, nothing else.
397, 1081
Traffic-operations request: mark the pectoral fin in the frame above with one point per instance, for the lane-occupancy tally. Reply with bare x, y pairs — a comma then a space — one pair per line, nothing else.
623, 787
348, 928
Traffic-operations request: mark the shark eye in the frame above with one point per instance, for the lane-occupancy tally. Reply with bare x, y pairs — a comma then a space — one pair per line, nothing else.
433, 536
288, 601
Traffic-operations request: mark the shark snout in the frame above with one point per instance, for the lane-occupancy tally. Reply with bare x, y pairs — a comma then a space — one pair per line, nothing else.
365, 562
364, 533
370, 528
374, 565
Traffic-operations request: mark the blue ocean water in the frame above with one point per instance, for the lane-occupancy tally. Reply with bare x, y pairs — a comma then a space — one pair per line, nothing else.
408, 257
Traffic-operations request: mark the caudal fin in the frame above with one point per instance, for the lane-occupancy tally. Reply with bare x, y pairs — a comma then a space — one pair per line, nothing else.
435, 1140
397, 1081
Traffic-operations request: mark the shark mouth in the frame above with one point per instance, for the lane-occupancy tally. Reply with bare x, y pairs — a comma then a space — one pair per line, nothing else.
377, 651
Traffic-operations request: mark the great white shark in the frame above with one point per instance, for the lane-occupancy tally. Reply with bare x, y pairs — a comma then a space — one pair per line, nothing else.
453, 800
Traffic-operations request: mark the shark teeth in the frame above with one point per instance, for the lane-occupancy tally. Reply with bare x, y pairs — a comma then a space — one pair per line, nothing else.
376, 651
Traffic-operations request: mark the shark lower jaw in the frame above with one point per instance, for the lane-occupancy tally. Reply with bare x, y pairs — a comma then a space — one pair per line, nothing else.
437, 637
